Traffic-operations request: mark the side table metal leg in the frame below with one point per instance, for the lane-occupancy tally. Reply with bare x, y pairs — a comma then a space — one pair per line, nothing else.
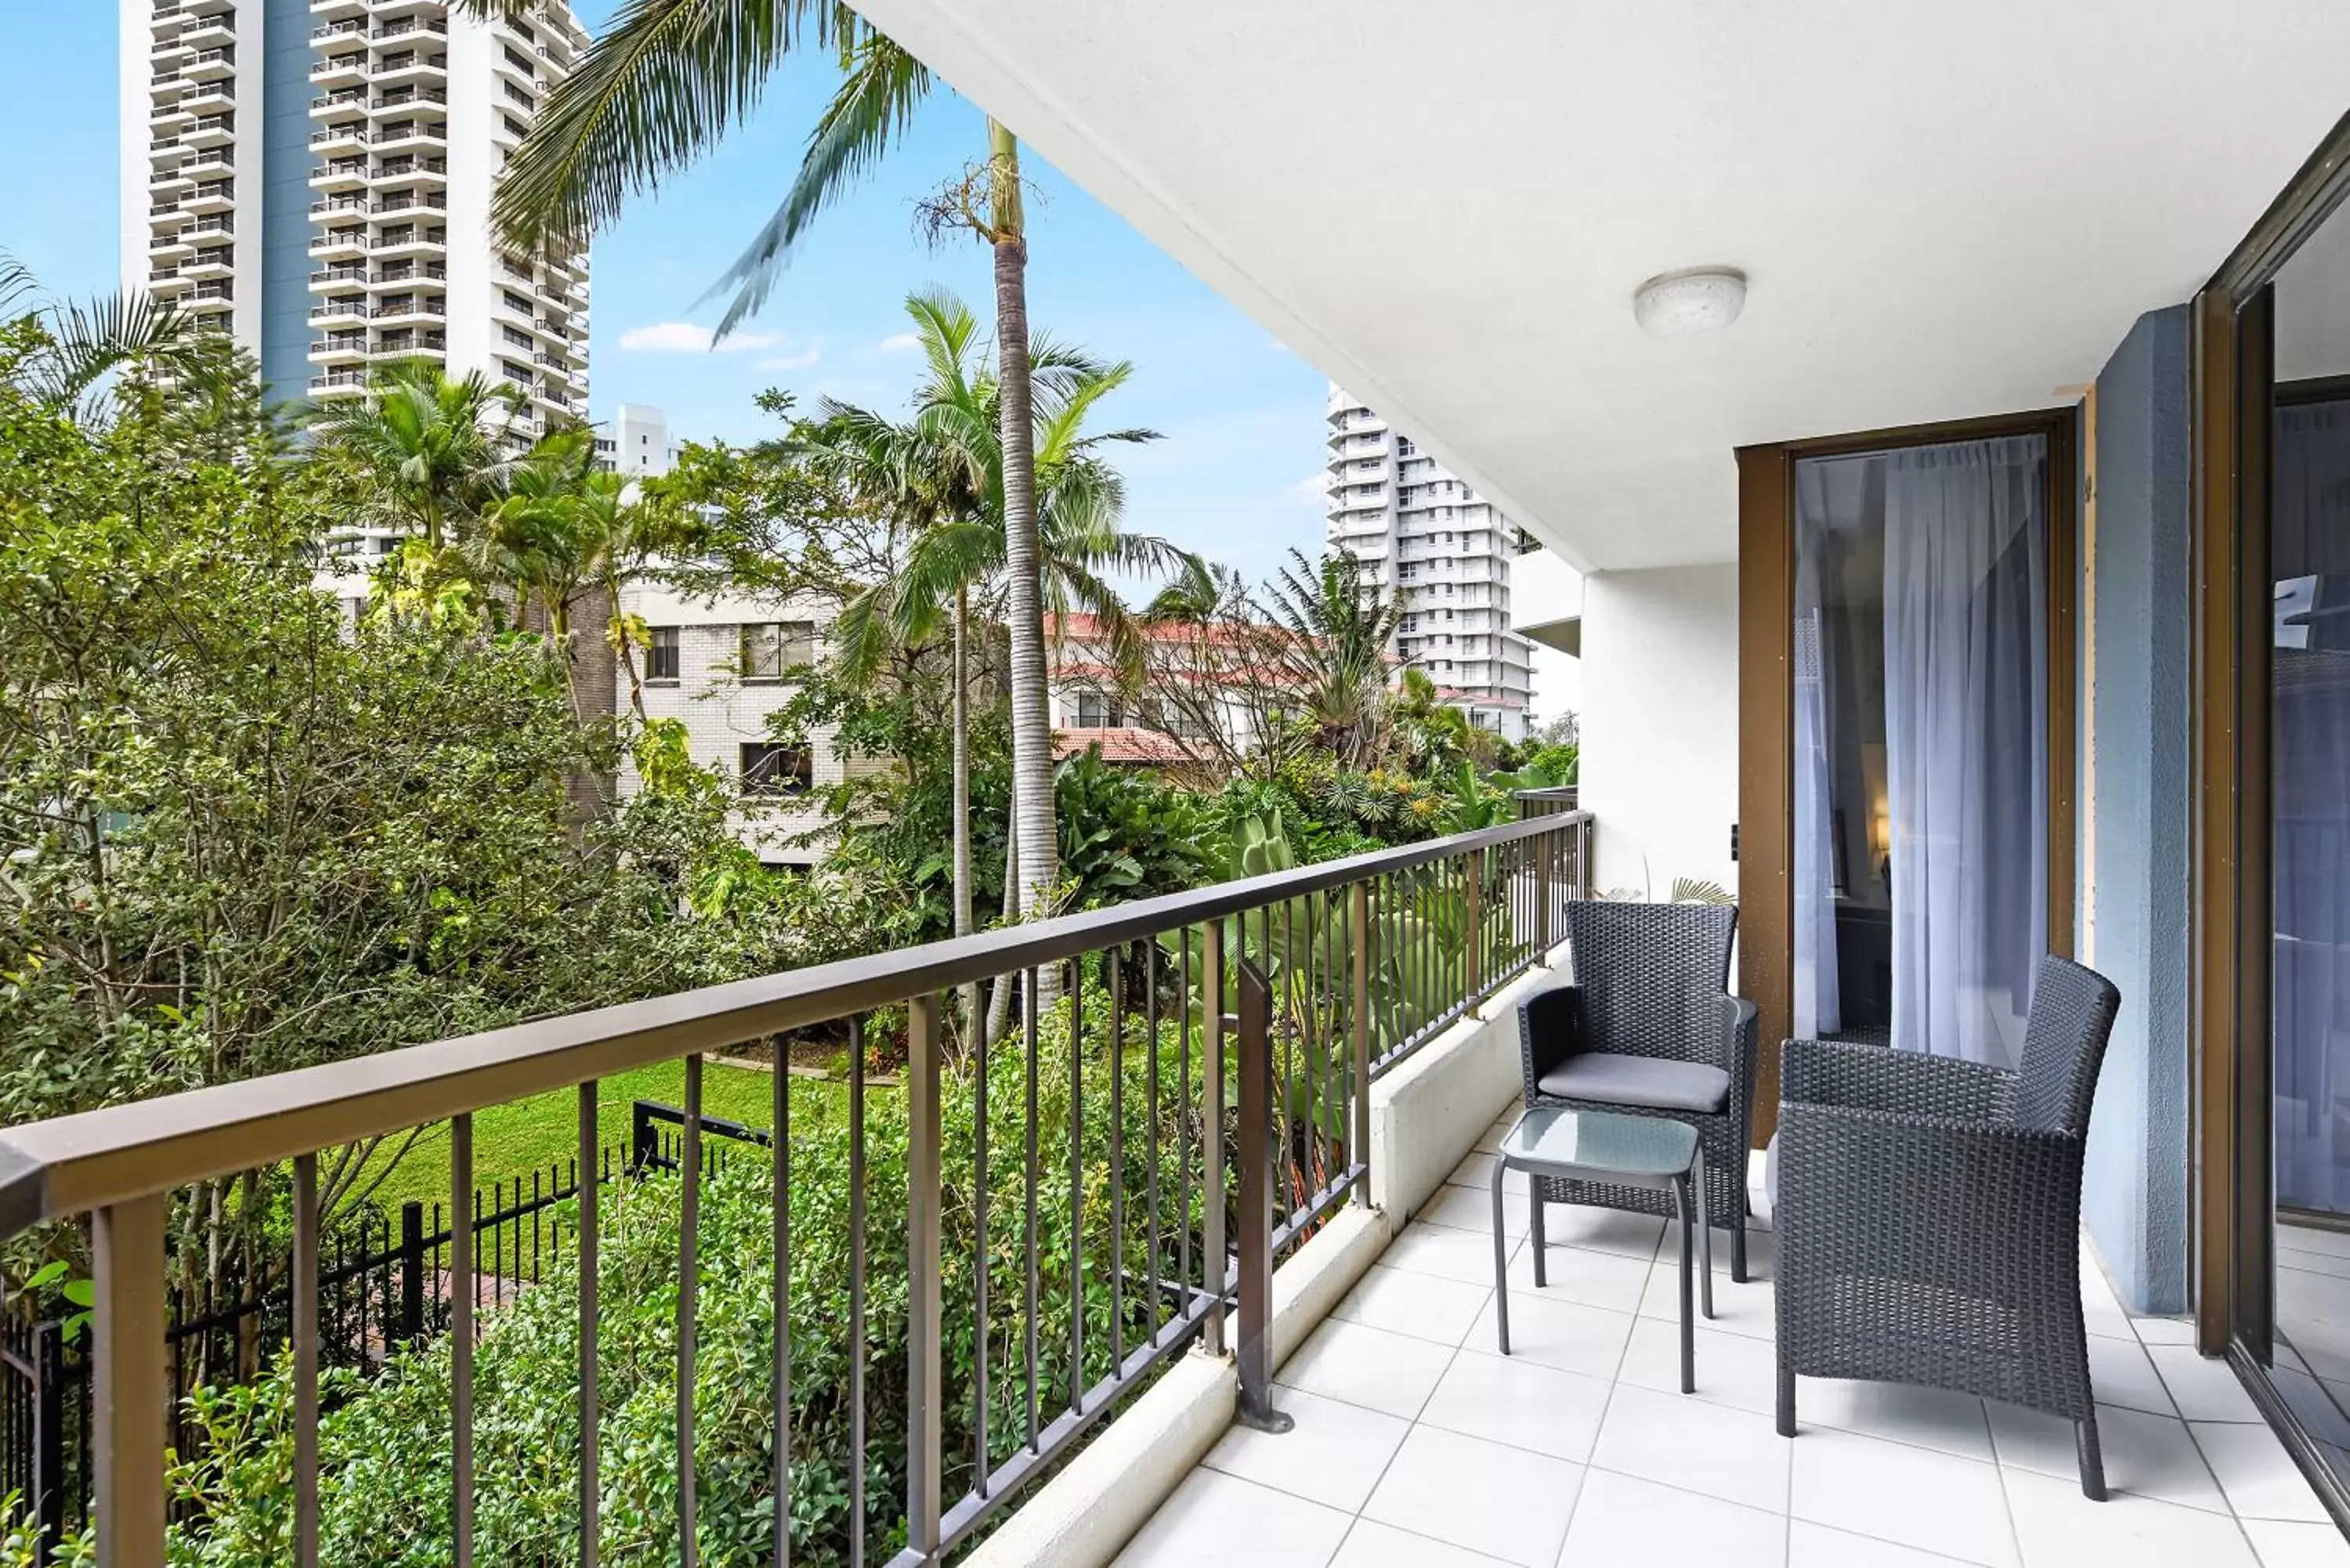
1688, 1332
1501, 1261
1704, 1238
1534, 1238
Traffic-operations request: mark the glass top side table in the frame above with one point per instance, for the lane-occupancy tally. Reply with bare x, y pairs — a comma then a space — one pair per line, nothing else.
1622, 1151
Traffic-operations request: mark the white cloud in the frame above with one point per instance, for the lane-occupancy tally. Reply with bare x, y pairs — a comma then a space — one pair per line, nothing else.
1315, 488
799, 362
898, 342
685, 337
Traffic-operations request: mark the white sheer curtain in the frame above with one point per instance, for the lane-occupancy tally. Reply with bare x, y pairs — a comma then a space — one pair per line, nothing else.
1966, 727
1818, 1003
2309, 547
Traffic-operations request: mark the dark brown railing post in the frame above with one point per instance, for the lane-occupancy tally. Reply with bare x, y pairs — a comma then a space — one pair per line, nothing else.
1361, 1023
925, 1390
130, 1395
411, 1272
1211, 1154
1255, 1070
48, 1499
1475, 972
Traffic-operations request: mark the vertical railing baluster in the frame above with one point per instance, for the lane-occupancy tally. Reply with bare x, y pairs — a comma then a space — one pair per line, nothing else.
304, 1332
1150, 1102
462, 1200
856, 1293
1033, 1174
1183, 1099
779, 1285
925, 1184
1256, 1210
1473, 867
1212, 1267
688, 1302
591, 1406
130, 1402
1361, 1009
1114, 978
981, 1268
1076, 987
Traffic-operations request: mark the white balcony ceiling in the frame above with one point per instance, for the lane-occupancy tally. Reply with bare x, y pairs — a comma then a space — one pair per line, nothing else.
1946, 210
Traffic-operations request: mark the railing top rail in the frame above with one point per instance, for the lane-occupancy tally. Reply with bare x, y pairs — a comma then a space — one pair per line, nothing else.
72, 1164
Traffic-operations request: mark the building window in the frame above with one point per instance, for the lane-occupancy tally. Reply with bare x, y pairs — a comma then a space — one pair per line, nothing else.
1096, 711
772, 648
661, 659
775, 769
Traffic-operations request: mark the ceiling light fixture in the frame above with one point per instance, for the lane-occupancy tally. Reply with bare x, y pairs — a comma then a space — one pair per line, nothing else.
1695, 300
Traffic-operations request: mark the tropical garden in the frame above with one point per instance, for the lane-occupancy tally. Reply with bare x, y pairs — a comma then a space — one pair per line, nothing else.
268, 802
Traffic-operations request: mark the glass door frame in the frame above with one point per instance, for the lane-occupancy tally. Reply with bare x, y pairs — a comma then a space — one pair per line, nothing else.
1764, 846
2235, 399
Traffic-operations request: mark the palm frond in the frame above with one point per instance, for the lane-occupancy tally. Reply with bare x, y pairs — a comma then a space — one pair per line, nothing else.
872, 108
655, 91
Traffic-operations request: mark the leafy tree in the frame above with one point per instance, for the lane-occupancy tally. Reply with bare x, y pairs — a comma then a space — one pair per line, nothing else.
658, 89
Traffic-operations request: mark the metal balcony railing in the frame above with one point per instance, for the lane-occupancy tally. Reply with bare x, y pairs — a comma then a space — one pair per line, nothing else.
1290, 992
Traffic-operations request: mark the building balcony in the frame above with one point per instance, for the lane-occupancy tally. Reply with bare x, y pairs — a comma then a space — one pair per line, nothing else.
344, 176
210, 32
217, 226
339, 384
423, 70
415, 310
216, 196
210, 98
173, 121
410, 168
339, 310
350, 137
166, 86
417, 26
342, 277
332, 11
202, 267
344, 73
338, 204
340, 348
414, 245
210, 66
344, 101
431, 201
420, 134
168, 247
403, 96
210, 130
349, 245
348, 27
410, 348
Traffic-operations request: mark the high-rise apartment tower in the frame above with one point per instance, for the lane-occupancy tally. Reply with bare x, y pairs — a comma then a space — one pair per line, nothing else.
1417, 531
315, 176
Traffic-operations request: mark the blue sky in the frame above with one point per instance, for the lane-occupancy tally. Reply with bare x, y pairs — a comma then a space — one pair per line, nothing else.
1236, 477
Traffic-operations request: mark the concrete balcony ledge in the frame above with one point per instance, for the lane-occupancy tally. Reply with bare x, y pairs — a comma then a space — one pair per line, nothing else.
1427, 1115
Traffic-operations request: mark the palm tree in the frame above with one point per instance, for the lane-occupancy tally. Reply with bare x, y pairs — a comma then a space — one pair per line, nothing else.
943, 470
428, 450
1340, 633
87, 342
657, 90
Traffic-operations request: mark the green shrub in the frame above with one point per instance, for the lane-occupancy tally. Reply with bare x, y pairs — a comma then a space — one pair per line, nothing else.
384, 1444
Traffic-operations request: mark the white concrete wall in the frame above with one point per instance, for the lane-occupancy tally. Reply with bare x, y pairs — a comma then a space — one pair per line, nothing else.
1659, 769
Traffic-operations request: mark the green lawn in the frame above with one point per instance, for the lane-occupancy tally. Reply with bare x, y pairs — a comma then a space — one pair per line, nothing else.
514, 1140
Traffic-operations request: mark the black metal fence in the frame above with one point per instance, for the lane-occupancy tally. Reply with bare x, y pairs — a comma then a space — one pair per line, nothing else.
383, 1284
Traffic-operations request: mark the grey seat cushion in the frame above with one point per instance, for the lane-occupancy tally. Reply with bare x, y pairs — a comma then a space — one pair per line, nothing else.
1646, 1081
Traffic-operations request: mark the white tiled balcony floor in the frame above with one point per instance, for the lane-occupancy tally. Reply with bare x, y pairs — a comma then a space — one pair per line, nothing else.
1418, 1445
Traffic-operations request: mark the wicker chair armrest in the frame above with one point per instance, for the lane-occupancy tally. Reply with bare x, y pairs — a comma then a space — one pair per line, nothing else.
1878, 1078
1550, 1030
1740, 1046
1911, 1196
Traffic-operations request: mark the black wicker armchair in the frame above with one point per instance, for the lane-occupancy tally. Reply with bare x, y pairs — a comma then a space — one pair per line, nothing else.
1928, 1214
1648, 1028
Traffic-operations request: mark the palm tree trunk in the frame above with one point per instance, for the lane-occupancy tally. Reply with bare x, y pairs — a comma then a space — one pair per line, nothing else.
962, 793
999, 996
1031, 738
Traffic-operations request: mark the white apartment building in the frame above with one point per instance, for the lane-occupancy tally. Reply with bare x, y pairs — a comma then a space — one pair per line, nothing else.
1419, 530
317, 175
636, 442
722, 667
